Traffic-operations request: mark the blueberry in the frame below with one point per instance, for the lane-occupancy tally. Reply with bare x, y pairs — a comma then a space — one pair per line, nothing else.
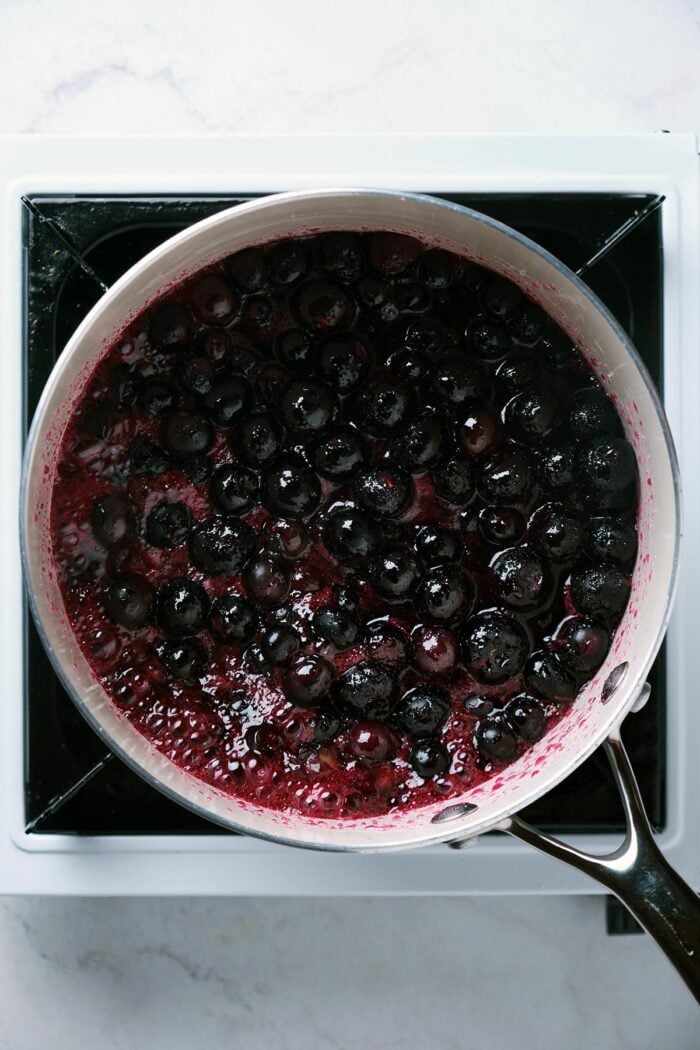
601, 591
429, 758
341, 255
112, 519
501, 526
593, 415
533, 414
213, 300
489, 339
394, 571
350, 536
123, 385
427, 336
307, 681
454, 481
558, 533
99, 420
383, 407
446, 594
197, 376
197, 468
307, 406
338, 454
458, 382
377, 297
291, 491
502, 298
346, 598
267, 580
435, 650
525, 716
612, 540
368, 688
495, 646
258, 440
259, 312
228, 401
478, 705
128, 600
294, 348
558, 350
216, 346
329, 722
337, 626
436, 269
410, 366
474, 277
220, 546
255, 660
184, 660
371, 741
582, 645
383, 491
170, 326
392, 254
168, 525
435, 544
243, 358
423, 710
518, 372
148, 458
421, 443
527, 325
386, 644
556, 467
522, 579
495, 739
280, 644
412, 298
546, 677
506, 476
233, 619
288, 261
158, 397
480, 432
234, 488
343, 361
324, 306
607, 466
182, 606
248, 269
187, 434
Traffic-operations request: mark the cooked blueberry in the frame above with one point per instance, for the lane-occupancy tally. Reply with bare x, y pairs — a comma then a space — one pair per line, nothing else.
458, 382
495, 646
338, 454
168, 525
182, 606
384, 406
341, 255
474, 277
329, 722
307, 681
369, 688
371, 741
479, 432
582, 644
216, 347
197, 375
427, 336
503, 298
148, 458
522, 578
288, 261
259, 311
506, 476
258, 440
489, 339
324, 306
602, 591
256, 661
409, 366
454, 481
436, 269
412, 298
558, 533
184, 660
558, 349
495, 739
294, 348
170, 326
337, 626
289, 538
112, 519
421, 443
501, 526
518, 372
307, 405
386, 644
233, 619
533, 414
128, 600
477, 705
350, 536
377, 297
592, 415
346, 598
435, 650
429, 758
436, 544
383, 491
123, 385
527, 325
157, 397
393, 253
220, 546
423, 710
248, 269
100, 420
446, 594
214, 301
280, 644
234, 488
546, 676
187, 434
291, 491
393, 571
607, 466
228, 401
525, 716
343, 360
267, 580
244, 359
556, 466
612, 540
197, 468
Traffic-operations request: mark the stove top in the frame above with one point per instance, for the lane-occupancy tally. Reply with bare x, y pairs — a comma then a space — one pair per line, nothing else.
75, 247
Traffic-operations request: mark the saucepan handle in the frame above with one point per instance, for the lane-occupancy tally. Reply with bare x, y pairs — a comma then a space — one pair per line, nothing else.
637, 873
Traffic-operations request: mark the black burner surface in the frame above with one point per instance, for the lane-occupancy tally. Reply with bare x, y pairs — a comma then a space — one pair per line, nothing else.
74, 248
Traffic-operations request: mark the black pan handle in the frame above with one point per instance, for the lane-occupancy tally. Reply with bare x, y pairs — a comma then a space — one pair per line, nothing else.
637, 873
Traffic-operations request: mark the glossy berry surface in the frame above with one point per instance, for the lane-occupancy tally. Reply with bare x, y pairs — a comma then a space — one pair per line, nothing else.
358, 509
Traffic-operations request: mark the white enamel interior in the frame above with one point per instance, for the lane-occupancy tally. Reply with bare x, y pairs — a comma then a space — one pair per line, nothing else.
611, 356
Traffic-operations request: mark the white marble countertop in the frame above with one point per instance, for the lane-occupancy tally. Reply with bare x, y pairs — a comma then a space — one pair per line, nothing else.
529, 972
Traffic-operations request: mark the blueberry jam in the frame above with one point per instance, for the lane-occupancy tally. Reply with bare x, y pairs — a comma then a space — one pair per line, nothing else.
344, 524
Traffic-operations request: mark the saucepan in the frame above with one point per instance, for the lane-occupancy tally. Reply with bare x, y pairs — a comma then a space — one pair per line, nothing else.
637, 872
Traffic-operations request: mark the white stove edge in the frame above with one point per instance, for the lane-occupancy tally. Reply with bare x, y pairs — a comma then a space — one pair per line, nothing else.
212, 865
